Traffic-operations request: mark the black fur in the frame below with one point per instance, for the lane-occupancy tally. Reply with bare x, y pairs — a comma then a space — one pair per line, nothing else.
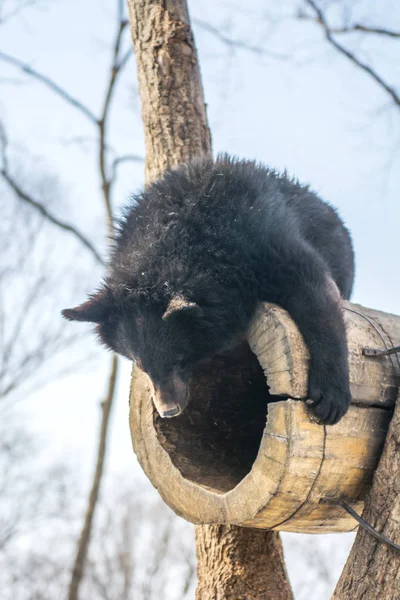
199, 248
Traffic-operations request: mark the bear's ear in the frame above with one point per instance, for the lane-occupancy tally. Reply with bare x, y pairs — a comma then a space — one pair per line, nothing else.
178, 305
95, 310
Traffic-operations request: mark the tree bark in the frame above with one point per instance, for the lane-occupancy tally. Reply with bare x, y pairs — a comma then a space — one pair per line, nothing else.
372, 571
176, 130
237, 563
173, 109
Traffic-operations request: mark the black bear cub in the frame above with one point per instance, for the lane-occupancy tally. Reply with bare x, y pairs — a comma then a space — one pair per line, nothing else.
195, 253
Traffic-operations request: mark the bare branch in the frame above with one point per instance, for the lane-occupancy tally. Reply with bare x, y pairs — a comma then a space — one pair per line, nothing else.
26, 307
373, 74
118, 64
45, 213
122, 159
235, 43
83, 545
50, 84
34, 359
25, 197
121, 10
365, 29
357, 27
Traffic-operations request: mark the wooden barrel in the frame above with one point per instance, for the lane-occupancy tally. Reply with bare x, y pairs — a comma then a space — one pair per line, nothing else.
246, 451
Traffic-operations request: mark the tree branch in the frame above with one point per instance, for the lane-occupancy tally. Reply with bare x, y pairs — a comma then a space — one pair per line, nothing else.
366, 68
83, 544
357, 27
235, 43
122, 159
51, 218
38, 206
54, 87
118, 64
365, 29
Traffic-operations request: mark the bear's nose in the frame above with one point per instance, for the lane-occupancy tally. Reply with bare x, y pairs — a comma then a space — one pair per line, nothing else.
172, 412
170, 398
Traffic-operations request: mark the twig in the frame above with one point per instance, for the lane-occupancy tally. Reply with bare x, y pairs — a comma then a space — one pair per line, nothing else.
357, 27
235, 43
116, 67
121, 159
328, 34
83, 544
22, 195
51, 218
50, 84
366, 29
119, 61
118, 64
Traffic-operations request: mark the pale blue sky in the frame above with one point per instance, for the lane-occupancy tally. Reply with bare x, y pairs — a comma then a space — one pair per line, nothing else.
314, 114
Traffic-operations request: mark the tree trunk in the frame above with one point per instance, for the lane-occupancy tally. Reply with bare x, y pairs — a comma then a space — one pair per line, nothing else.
237, 563
173, 110
372, 571
176, 130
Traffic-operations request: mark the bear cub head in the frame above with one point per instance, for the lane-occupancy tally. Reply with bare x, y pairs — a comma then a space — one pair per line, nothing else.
167, 335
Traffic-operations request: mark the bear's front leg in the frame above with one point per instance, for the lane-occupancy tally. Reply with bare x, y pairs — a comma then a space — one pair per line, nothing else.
300, 282
320, 321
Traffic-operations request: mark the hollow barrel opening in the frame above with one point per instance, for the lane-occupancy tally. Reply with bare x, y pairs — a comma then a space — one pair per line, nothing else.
222, 461
215, 442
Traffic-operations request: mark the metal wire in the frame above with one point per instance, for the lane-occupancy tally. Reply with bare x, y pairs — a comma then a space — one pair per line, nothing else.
379, 536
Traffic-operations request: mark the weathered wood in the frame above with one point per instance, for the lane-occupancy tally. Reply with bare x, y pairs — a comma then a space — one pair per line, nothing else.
372, 571
217, 463
281, 351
